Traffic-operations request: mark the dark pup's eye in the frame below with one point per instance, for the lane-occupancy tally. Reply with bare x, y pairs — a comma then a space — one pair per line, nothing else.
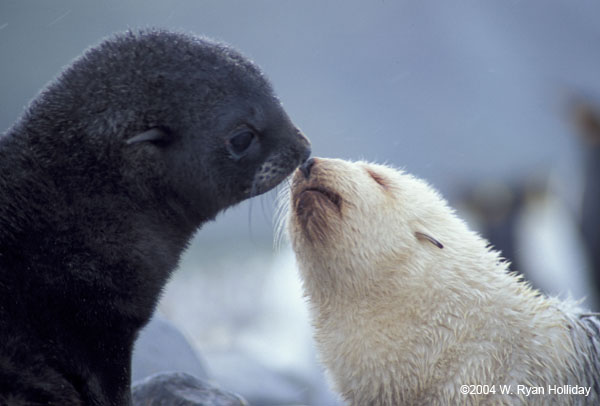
239, 143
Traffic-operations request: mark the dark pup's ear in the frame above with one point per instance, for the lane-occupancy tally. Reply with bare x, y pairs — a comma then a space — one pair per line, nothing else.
154, 135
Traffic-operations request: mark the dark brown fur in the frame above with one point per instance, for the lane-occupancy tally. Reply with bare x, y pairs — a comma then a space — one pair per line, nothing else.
103, 182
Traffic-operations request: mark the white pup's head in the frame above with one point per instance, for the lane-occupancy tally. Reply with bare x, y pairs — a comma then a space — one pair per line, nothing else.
362, 217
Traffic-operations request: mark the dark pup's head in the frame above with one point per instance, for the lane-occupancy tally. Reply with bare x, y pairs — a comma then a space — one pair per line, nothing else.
189, 121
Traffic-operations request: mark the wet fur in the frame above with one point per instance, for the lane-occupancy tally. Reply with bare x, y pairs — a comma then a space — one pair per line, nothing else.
400, 320
103, 182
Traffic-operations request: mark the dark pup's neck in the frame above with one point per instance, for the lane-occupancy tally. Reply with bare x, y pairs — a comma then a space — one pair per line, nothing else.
79, 297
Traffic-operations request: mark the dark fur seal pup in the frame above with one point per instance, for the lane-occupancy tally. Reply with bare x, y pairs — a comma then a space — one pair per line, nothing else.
102, 183
412, 308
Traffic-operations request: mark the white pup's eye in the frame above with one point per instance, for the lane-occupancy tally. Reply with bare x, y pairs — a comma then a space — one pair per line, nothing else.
428, 238
378, 178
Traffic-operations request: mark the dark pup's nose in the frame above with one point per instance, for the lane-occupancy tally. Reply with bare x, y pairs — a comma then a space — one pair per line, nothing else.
305, 144
306, 167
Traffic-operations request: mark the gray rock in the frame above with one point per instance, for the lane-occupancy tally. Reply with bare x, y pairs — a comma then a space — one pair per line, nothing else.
180, 389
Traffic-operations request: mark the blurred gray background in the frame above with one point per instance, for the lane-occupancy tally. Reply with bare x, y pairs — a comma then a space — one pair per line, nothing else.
472, 95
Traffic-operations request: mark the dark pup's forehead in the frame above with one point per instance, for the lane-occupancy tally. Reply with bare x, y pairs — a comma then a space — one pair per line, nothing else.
154, 52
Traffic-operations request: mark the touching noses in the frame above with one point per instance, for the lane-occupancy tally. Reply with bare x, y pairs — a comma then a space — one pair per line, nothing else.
305, 144
306, 167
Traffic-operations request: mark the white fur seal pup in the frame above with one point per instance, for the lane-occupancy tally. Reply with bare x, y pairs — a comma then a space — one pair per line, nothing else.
409, 305
103, 181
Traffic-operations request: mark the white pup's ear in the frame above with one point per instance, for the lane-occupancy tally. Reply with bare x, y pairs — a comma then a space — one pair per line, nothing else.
426, 237
154, 134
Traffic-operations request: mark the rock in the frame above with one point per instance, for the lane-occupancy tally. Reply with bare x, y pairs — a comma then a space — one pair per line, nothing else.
180, 389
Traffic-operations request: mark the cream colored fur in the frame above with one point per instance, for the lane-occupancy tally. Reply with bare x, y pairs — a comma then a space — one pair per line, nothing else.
399, 321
